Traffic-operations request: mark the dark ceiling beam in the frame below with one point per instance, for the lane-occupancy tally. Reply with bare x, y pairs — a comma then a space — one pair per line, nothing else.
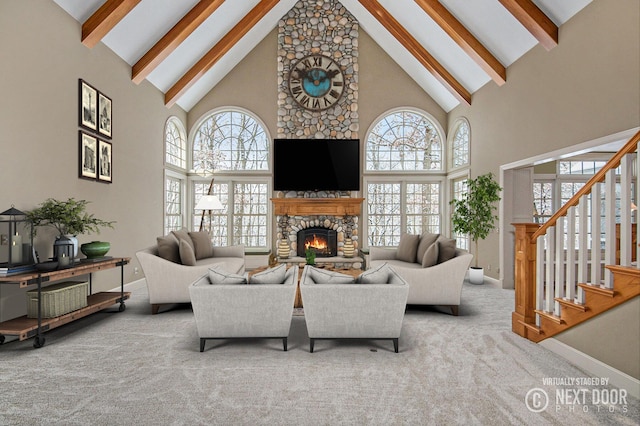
534, 20
173, 38
416, 49
465, 40
213, 56
104, 19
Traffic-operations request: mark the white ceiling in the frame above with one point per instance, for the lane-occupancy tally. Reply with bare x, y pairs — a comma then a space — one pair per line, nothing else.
487, 20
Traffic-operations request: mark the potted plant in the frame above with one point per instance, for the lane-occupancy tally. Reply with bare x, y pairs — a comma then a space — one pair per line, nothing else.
69, 218
473, 215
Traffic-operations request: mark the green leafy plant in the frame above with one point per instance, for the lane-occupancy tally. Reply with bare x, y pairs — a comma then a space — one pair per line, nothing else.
67, 217
310, 256
473, 214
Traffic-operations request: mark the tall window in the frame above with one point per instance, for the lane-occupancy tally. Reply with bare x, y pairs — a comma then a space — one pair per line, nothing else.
403, 177
458, 188
542, 201
460, 142
234, 145
175, 142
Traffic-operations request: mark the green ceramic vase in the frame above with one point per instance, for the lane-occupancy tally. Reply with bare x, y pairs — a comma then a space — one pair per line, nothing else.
95, 249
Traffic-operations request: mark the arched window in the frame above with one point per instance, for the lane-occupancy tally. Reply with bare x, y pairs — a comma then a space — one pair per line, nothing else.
225, 143
175, 145
460, 142
230, 140
175, 141
404, 141
403, 177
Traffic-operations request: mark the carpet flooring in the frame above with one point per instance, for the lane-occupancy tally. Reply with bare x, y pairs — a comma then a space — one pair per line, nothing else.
132, 368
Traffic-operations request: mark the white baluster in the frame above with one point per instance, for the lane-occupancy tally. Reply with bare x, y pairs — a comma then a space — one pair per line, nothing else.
549, 284
610, 225
559, 281
540, 267
570, 281
596, 229
626, 169
583, 246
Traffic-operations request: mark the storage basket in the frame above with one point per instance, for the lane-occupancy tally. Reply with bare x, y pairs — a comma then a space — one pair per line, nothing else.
58, 299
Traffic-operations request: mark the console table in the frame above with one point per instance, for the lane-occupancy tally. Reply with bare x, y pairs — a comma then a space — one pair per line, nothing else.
25, 327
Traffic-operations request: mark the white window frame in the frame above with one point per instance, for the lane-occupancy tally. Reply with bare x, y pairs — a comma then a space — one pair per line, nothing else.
231, 176
172, 171
406, 177
451, 149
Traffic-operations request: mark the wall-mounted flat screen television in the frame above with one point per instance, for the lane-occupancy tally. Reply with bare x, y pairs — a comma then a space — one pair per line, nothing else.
316, 165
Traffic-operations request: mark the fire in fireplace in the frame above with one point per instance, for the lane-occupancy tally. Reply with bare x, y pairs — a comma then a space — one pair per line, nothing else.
322, 241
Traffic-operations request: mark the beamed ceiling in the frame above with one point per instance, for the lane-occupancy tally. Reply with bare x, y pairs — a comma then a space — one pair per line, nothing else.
451, 48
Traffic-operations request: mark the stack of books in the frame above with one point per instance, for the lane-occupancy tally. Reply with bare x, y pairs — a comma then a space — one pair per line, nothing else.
13, 270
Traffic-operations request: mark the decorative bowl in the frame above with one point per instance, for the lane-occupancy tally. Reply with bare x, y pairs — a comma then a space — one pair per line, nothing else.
47, 266
95, 249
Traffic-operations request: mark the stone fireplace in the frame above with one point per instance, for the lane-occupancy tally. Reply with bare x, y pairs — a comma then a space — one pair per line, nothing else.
335, 218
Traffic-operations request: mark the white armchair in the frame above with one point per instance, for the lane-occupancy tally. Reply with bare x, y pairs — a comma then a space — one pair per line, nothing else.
440, 284
227, 311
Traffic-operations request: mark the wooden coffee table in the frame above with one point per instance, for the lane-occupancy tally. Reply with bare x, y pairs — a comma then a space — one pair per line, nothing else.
297, 303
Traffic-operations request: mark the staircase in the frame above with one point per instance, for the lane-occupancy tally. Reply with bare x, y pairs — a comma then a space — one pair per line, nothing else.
563, 276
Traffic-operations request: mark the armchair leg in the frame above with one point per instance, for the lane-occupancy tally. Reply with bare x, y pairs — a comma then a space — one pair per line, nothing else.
155, 307
395, 345
284, 343
311, 341
202, 344
454, 309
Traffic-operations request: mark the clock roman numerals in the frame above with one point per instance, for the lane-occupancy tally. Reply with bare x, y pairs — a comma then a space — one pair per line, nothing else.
316, 82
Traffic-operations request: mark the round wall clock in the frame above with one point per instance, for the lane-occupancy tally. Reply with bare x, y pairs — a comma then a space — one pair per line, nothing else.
316, 82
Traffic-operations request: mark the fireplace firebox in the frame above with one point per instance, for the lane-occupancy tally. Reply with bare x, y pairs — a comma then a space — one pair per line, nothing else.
323, 241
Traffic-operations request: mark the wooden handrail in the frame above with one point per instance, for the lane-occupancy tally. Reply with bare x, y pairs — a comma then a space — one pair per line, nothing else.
628, 148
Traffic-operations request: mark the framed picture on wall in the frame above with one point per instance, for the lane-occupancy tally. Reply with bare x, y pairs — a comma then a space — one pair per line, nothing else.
105, 162
88, 106
104, 115
88, 156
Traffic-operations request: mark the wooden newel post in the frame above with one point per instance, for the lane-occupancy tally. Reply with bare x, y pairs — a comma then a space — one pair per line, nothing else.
525, 278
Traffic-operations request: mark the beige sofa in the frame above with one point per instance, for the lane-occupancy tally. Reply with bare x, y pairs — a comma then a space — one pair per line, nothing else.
168, 282
440, 284
338, 307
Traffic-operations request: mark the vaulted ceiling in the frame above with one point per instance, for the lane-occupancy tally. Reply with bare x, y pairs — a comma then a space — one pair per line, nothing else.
451, 48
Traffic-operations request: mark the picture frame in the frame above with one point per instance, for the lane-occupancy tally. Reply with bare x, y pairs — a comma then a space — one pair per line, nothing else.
105, 120
88, 106
105, 161
88, 156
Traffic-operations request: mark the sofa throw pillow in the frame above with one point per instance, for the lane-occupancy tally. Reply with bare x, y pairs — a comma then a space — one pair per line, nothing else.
202, 246
183, 235
275, 275
320, 276
446, 249
431, 255
187, 256
220, 276
408, 247
377, 275
169, 248
427, 239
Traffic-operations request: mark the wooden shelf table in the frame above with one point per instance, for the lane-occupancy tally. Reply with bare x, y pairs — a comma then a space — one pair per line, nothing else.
25, 327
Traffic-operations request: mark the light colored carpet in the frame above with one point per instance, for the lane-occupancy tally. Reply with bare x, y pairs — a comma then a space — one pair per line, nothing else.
134, 368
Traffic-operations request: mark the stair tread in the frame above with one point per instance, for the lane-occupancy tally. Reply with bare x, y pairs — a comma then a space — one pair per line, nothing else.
550, 316
571, 304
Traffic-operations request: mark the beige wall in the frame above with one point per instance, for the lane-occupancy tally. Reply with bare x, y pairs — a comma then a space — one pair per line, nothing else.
252, 85
584, 88
42, 59
612, 337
